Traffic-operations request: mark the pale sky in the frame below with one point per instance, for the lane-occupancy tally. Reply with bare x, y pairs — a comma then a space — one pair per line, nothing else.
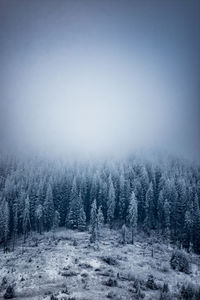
100, 77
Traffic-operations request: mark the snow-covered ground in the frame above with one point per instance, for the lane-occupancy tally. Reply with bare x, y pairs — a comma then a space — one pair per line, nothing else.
67, 266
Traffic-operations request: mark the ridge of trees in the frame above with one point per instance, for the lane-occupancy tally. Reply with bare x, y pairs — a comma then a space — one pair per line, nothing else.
163, 197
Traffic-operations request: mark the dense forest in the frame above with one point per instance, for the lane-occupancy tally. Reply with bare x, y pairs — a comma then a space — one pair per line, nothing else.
161, 197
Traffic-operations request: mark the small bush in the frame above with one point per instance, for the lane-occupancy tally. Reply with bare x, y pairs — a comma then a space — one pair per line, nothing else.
110, 282
151, 283
110, 260
179, 261
9, 294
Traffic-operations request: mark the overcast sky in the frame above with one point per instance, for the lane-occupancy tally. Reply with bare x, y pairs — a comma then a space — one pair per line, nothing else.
100, 76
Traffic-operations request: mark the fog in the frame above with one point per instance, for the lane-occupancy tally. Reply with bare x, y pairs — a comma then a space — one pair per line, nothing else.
99, 77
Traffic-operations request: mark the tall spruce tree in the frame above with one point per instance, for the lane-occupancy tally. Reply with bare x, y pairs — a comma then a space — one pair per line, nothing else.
39, 218
56, 220
196, 226
133, 216
166, 219
122, 198
100, 219
26, 218
48, 208
93, 222
4, 222
111, 202
76, 218
149, 221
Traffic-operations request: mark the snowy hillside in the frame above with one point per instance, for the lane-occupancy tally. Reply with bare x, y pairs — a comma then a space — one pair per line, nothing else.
65, 265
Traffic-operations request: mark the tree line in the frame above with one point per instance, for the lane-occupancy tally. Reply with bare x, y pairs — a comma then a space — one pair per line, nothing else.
160, 196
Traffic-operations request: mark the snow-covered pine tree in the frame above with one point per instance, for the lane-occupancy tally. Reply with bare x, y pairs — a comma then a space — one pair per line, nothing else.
82, 218
4, 222
104, 195
48, 208
26, 218
166, 219
56, 220
93, 222
133, 216
111, 202
93, 190
196, 226
180, 209
39, 218
15, 222
76, 218
149, 209
144, 185
122, 198
187, 230
124, 234
100, 219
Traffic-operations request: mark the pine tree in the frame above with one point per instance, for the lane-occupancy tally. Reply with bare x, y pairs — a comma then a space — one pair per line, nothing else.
39, 218
15, 222
76, 218
56, 220
187, 235
148, 222
180, 209
93, 222
167, 219
111, 202
133, 216
100, 219
143, 185
4, 222
48, 208
124, 234
26, 218
196, 226
82, 219
122, 199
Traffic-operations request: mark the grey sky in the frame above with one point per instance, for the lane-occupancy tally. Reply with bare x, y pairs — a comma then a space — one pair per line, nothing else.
100, 75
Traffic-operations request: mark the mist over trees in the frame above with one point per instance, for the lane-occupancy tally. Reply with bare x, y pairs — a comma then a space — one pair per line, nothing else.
161, 197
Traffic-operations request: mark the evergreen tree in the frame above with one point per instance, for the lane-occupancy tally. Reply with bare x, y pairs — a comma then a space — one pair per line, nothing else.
48, 208
124, 234
76, 218
167, 219
26, 218
180, 209
187, 234
122, 198
148, 222
100, 219
15, 222
196, 226
39, 218
133, 216
82, 219
111, 202
93, 222
4, 222
56, 220
143, 185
